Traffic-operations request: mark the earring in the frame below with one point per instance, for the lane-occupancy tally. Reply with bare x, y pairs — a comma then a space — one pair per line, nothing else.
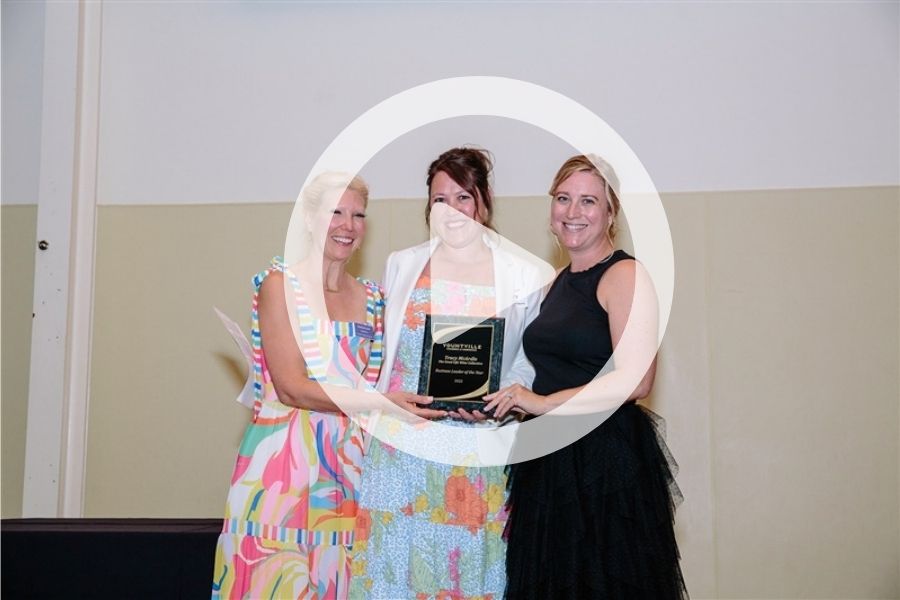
554, 236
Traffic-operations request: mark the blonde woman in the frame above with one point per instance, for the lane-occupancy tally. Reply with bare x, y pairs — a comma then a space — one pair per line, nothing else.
292, 506
593, 519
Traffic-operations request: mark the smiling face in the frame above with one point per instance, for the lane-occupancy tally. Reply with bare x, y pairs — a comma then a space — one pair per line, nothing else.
580, 213
340, 231
457, 227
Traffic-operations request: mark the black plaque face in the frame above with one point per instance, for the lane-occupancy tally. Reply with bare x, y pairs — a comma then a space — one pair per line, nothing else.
461, 360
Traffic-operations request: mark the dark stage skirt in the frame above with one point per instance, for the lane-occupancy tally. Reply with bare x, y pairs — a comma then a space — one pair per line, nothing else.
595, 519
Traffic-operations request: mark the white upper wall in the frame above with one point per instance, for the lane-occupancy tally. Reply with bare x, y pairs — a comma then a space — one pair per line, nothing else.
22, 56
234, 101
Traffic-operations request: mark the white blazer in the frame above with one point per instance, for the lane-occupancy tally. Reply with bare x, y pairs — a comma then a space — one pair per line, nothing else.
518, 287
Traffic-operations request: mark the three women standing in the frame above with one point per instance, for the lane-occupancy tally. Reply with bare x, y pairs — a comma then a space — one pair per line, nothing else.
591, 520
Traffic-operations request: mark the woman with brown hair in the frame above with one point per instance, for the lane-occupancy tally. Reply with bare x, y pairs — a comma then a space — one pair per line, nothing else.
429, 529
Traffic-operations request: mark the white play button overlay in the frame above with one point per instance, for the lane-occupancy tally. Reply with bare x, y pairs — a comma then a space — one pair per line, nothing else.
651, 238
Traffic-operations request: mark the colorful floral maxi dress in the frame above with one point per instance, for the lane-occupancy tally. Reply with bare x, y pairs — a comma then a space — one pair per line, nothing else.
293, 501
429, 530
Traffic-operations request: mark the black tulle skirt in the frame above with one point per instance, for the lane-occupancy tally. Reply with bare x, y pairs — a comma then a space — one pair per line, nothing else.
594, 519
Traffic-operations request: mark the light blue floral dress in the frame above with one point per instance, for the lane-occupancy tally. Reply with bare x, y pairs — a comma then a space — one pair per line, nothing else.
429, 530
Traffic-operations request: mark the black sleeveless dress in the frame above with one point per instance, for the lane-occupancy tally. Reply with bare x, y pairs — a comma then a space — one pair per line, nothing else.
593, 519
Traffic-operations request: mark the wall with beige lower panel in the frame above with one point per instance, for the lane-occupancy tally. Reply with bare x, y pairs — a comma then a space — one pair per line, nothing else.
778, 374
17, 228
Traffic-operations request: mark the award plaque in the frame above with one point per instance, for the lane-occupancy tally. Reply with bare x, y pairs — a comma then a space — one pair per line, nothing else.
461, 360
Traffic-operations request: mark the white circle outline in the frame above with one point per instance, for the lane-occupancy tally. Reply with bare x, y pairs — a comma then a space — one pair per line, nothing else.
548, 110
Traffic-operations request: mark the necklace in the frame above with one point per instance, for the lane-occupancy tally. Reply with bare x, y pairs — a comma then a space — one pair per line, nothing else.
595, 265
608, 256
